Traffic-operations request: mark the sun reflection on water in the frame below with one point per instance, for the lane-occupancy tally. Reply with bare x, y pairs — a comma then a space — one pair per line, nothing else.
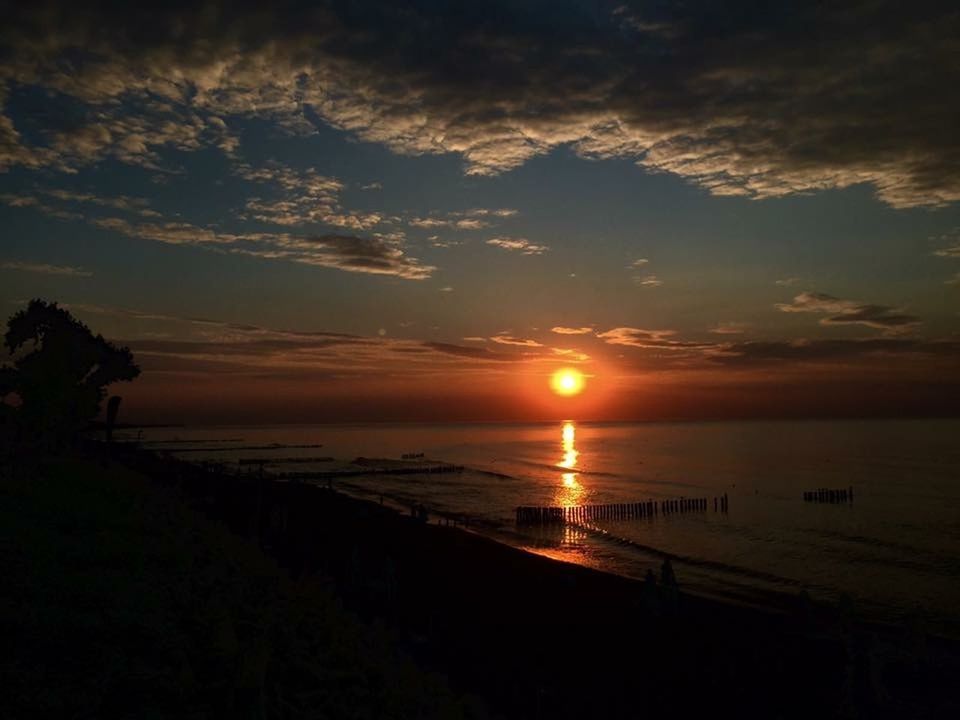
570, 492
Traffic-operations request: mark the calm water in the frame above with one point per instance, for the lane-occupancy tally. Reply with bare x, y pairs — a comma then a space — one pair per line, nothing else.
895, 550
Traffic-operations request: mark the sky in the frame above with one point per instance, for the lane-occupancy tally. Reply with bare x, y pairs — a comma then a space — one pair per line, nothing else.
384, 211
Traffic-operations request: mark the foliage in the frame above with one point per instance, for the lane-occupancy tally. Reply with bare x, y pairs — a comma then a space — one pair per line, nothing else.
60, 381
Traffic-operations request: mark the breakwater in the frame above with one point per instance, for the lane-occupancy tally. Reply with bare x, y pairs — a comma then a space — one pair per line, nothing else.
560, 515
829, 495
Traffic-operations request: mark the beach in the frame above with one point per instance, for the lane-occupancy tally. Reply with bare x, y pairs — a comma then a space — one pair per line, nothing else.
539, 638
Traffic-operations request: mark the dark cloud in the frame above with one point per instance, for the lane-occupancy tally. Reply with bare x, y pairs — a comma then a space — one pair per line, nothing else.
375, 255
473, 353
850, 312
758, 353
743, 98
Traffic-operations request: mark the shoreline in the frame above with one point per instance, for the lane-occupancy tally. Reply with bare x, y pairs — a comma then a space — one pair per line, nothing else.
751, 597
488, 615
774, 547
774, 594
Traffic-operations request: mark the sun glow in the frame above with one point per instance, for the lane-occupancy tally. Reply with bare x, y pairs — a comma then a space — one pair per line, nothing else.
567, 382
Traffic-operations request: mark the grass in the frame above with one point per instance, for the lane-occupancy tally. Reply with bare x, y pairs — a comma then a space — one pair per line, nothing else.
118, 601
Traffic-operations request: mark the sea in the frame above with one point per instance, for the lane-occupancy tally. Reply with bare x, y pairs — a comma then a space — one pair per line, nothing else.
892, 551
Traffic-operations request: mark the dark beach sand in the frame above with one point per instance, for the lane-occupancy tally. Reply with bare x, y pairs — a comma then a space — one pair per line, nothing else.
533, 637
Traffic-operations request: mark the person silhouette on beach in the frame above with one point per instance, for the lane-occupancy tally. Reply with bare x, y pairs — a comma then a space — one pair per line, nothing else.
668, 585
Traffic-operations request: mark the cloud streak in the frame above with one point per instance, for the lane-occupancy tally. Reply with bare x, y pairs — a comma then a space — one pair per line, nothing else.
850, 312
560, 330
650, 339
511, 340
378, 253
779, 352
520, 245
45, 269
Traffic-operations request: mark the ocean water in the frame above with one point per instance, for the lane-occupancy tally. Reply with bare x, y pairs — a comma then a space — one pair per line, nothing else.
894, 551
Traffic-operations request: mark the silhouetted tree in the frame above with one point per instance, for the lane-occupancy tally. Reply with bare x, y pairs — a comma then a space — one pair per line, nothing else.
60, 382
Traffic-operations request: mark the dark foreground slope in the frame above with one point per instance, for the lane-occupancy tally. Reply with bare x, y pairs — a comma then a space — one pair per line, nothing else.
108, 567
119, 601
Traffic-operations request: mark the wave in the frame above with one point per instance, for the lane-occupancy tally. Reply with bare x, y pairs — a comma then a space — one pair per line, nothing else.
738, 570
935, 558
482, 470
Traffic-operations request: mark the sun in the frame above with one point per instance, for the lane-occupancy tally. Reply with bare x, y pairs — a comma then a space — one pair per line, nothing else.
567, 382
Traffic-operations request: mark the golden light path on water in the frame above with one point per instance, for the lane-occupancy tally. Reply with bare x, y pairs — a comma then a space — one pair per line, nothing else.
570, 492
567, 542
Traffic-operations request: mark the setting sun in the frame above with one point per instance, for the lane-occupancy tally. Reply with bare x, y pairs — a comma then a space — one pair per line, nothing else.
567, 382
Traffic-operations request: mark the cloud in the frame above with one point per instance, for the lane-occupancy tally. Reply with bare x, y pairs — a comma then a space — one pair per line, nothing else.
650, 339
510, 340
730, 328
171, 233
471, 224
955, 280
378, 254
494, 212
638, 263
171, 344
473, 353
648, 280
44, 269
754, 353
436, 242
734, 101
302, 197
787, 282
560, 330
30, 201
521, 245
356, 254
133, 132
953, 248
571, 355
140, 206
473, 219
208, 329
850, 312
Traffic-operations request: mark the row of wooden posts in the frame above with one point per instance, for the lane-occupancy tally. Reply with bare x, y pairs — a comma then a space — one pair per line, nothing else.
556, 515
829, 495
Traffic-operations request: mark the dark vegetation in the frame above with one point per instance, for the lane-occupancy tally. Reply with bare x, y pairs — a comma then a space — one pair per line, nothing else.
58, 376
119, 601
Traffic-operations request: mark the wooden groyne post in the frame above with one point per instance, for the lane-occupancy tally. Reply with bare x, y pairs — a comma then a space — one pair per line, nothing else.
574, 514
829, 495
